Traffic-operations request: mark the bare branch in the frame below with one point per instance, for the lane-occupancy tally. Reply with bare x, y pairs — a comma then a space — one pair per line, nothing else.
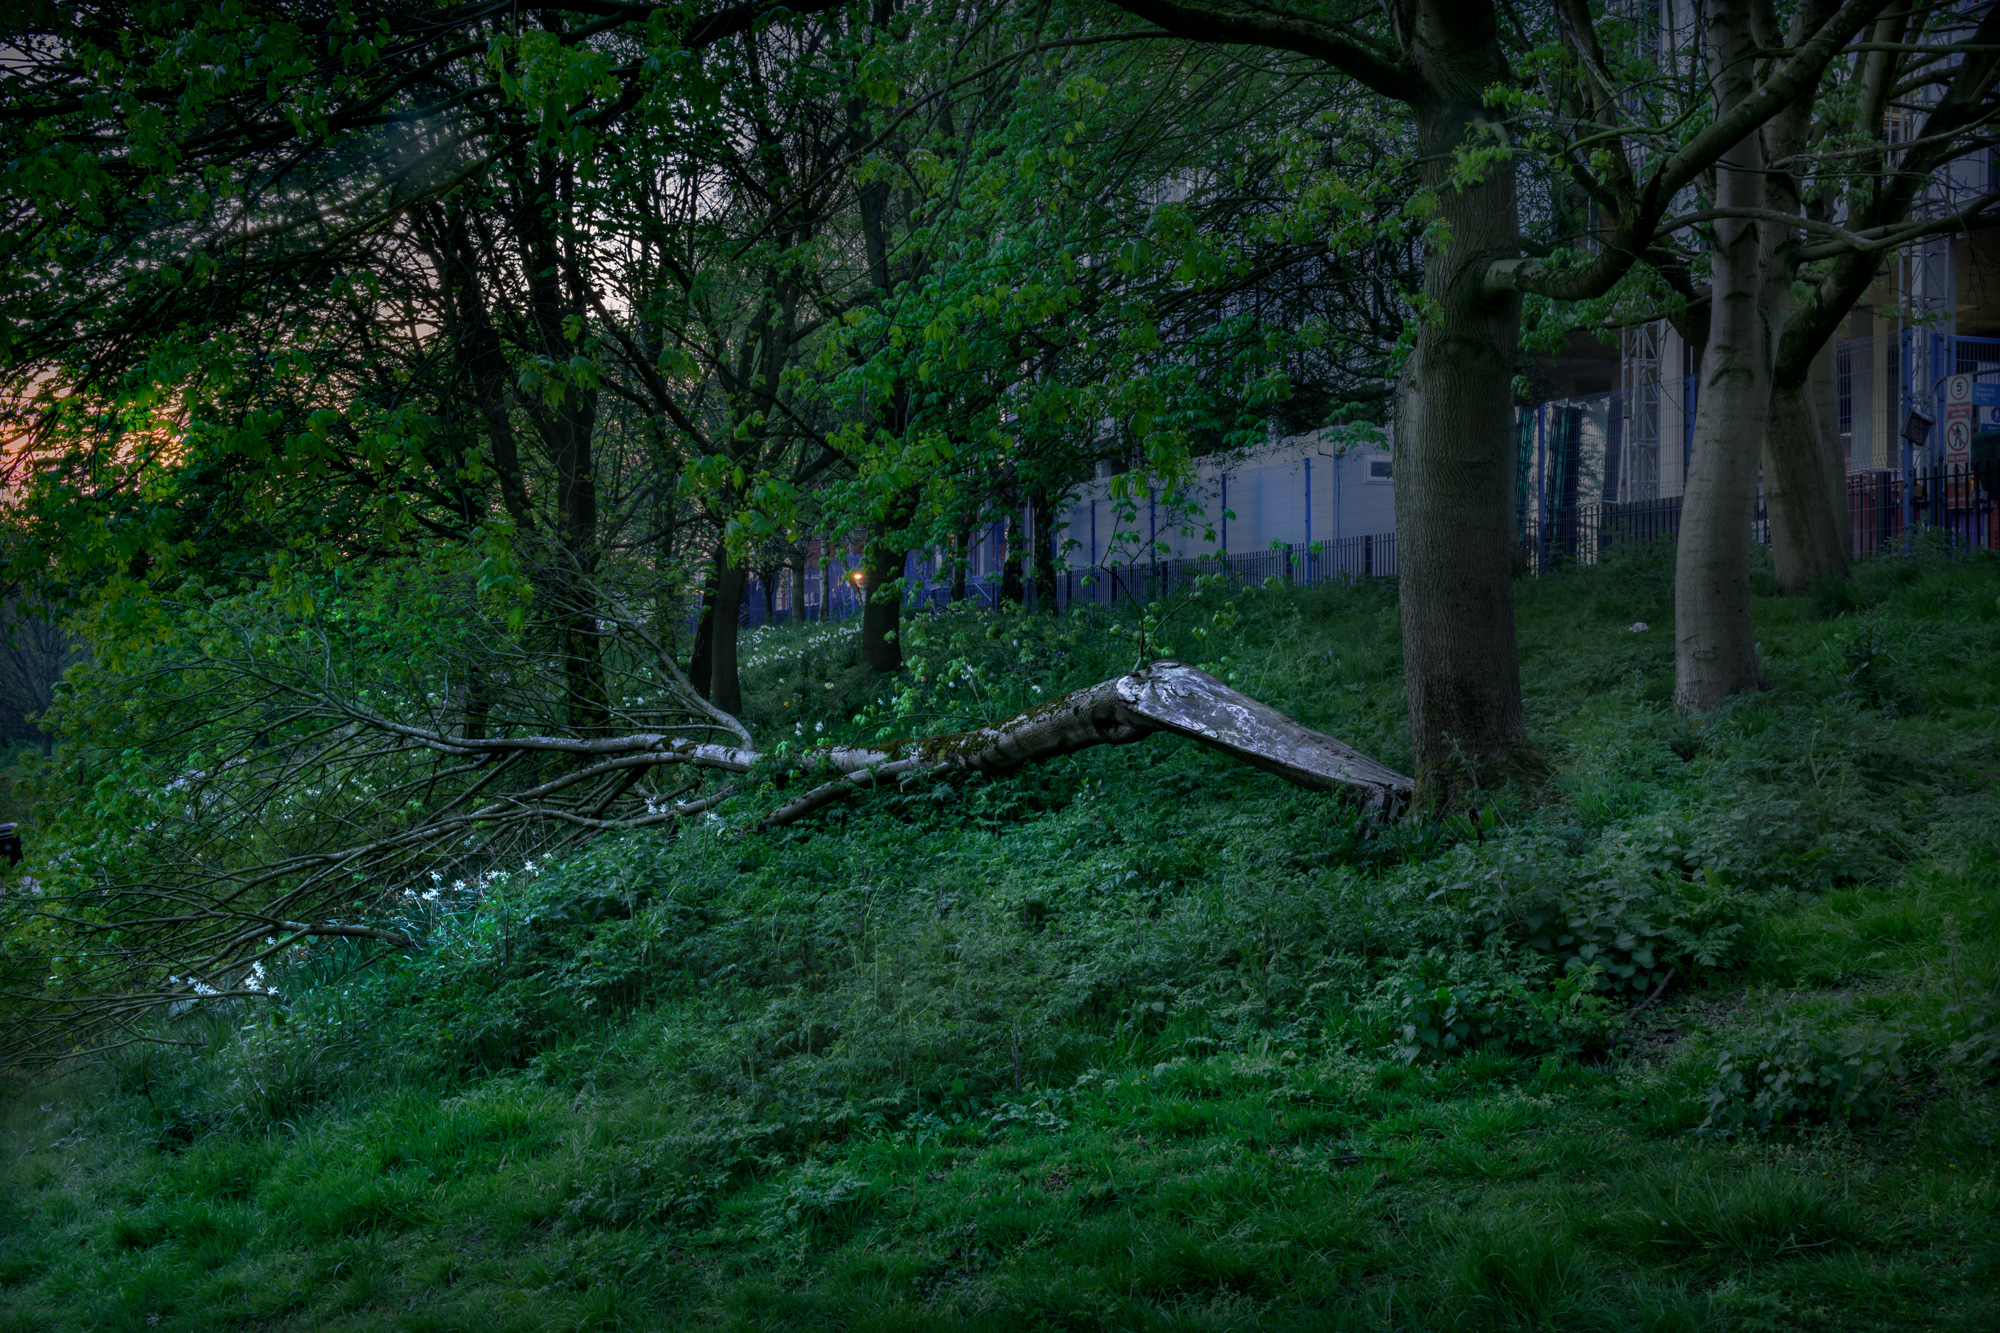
195, 921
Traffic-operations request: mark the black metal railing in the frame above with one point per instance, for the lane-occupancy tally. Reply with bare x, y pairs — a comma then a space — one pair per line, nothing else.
1350, 559
1589, 531
1353, 558
1958, 506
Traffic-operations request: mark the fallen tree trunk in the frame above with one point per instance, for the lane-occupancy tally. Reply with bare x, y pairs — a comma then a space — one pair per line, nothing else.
1164, 697
180, 920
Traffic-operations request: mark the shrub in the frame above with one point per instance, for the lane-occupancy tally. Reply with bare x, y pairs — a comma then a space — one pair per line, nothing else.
816, 1195
1435, 1016
1625, 934
1873, 675
1974, 1027
1796, 1074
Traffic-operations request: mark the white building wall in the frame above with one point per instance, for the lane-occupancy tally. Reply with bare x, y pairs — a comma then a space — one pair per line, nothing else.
1674, 370
1320, 487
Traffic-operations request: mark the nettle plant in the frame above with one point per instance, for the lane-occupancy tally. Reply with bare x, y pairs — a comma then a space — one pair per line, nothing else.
1442, 1006
1636, 917
1797, 1074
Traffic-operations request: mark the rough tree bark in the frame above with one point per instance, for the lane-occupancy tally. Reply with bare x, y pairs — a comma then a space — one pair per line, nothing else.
477, 344
206, 924
1805, 482
1804, 476
1455, 436
1453, 505
882, 607
567, 425
1163, 697
1042, 555
701, 658
1715, 647
1011, 587
725, 687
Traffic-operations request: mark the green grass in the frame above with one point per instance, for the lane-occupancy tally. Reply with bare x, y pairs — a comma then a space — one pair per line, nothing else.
1142, 1039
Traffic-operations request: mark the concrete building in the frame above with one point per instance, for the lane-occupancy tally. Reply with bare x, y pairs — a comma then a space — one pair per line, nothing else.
1329, 489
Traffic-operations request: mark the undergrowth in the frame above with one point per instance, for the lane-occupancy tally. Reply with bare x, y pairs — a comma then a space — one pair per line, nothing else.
1702, 1037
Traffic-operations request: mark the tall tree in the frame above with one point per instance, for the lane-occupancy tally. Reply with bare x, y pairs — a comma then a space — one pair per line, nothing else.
1100, 252
1861, 178
1806, 206
1715, 654
1467, 76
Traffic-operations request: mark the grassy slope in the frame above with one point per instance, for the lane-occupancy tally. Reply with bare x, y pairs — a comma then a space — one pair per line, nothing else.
773, 1083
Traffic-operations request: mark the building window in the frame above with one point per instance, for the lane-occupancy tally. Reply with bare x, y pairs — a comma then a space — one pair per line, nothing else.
1378, 469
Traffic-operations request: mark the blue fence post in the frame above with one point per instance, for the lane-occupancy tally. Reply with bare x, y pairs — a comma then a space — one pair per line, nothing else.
1908, 454
1153, 530
1541, 487
1944, 362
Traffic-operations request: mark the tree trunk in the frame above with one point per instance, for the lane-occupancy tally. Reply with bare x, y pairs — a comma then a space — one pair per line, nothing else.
1042, 559
478, 706
725, 689
211, 929
583, 664
477, 343
1011, 589
961, 564
701, 661
1715, 647
1455, 443
1805, 483
882, 608
799, 592
1805, 477
567, 428
1162, 697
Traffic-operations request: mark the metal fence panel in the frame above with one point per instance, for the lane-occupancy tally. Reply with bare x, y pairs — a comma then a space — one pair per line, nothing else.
1958, 507
1350, 560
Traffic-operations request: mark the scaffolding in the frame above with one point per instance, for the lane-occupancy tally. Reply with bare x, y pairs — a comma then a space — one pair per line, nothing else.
1640, 360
